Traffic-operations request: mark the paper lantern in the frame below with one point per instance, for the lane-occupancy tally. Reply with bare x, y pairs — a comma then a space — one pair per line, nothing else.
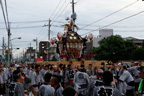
90, 36
46, 51
52, 41
70, 55
59, 36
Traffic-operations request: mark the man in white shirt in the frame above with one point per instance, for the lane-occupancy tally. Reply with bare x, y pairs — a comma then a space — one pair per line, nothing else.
127, 77
46, 89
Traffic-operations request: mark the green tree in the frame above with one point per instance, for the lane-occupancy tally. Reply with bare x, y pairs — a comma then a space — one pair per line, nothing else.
54, 58
114, 48
138, 54
143, 44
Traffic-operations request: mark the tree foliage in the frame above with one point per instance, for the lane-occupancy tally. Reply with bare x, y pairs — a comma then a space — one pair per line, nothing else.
114, 48
138, 54
143, 44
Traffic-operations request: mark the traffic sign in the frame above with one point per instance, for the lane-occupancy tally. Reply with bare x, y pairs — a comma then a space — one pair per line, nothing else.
6, 51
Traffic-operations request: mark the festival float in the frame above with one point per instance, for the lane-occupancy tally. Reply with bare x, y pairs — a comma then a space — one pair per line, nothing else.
70, 45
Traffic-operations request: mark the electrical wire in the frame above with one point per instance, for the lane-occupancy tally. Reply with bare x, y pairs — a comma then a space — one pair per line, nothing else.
78, 2
62, 11
41, 22
42, 30
56, 8
5, 21
30, 27
43, 33
115, 22
110, 14
128, 30
59, 10
24, 27
7, 13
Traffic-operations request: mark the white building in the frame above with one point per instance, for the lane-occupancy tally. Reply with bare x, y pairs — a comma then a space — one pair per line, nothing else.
0, 51
103, 33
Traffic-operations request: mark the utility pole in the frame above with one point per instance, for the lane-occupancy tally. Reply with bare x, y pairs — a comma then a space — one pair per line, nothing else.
73, 11
11, 53
3, 49
3, 46
36, 40
73, 16
36, 44
35, 56
23, 56
49, 26
30, 52
8, 64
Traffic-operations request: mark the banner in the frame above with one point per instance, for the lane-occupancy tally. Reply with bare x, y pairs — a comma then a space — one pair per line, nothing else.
39, 60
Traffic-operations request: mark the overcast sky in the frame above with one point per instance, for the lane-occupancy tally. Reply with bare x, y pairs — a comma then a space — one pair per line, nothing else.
87, 12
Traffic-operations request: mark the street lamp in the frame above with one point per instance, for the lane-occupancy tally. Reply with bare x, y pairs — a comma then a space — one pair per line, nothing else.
36, 40
15, 38
9, 49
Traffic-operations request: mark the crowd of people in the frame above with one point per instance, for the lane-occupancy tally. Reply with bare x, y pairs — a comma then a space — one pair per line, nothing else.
72, 80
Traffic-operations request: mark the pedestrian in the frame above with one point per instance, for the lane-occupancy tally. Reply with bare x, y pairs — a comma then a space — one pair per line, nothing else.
106, 89
24, 68
16, 87
10, 76
81, 81
55, 83
69, 91
36, 80
69, 76
134, 72
29, 70
141, 85
46, 89
95, 83
43, 71
127, 77
56, 71
90, 70
1, 81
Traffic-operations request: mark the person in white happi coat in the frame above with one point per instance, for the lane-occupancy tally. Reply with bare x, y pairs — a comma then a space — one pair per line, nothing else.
36, 80
81, 81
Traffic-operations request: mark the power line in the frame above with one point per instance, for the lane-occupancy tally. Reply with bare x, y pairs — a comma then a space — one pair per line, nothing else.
55, 11
81, 29
78, 2
56, 8
41, 22
59, 10
60, 14
30, 21
110, 14
24, 27
115, 22
34, 21
5, 21
62, 11
42, 31
22, 41
7, 13
128, 30
77, 24
30, 27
